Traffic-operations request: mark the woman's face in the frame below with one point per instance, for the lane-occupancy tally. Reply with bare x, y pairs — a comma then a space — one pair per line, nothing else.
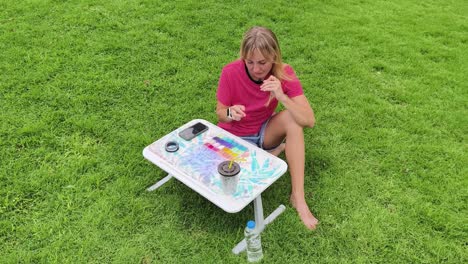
258, 65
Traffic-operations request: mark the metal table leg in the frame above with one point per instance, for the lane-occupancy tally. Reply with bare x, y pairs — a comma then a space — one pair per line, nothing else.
260, 223
159, 183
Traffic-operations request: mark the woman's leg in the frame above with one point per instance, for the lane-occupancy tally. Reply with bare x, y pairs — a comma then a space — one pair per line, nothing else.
276, 151
282, 125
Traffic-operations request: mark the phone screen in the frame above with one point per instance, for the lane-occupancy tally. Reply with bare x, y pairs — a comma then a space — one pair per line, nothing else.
193, 131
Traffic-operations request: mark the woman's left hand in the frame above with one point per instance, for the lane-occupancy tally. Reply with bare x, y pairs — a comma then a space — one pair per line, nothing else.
273, 85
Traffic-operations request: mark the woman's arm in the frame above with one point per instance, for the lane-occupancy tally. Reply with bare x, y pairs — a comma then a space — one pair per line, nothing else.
300, 109
237, 112
298, 106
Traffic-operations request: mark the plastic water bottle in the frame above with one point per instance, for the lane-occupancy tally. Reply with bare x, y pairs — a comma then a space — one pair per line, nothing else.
254, 243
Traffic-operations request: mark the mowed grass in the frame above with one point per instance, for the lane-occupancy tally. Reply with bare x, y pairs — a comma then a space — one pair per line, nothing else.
86, 85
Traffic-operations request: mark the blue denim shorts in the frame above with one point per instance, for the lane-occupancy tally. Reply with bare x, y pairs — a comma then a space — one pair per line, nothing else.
257, 139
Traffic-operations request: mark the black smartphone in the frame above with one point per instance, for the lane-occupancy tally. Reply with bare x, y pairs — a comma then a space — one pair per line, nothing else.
193, 131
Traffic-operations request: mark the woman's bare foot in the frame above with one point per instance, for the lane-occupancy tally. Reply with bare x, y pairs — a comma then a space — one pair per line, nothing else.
304, 213
278, 149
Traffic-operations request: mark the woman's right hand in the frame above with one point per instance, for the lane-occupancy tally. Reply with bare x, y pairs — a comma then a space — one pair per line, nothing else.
237, 112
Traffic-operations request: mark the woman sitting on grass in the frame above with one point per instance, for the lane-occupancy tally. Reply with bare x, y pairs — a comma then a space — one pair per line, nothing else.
248, 93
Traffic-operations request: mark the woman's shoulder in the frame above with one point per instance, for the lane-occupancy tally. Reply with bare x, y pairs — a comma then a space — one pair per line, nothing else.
288, 68
233, 68
289, 72
234, 64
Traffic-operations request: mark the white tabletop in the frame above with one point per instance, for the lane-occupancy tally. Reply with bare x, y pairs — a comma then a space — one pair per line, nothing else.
196, 164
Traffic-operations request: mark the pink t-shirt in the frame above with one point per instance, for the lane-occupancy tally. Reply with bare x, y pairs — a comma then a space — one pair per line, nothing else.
236, 88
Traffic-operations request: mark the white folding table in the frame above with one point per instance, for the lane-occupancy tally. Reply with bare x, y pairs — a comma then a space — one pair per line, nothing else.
196, 161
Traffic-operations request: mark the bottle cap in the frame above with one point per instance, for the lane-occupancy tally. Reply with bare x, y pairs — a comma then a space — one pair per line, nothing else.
251, 224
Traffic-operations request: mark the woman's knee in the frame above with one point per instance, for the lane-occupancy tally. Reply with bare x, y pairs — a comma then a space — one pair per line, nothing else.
288, 120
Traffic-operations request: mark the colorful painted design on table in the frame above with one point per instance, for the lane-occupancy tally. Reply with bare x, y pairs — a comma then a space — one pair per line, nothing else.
199, 158
227, 148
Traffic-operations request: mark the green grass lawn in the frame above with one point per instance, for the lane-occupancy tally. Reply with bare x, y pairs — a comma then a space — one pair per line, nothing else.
86, 85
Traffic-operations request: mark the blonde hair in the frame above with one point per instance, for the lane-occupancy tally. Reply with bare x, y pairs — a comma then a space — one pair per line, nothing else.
265, 41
